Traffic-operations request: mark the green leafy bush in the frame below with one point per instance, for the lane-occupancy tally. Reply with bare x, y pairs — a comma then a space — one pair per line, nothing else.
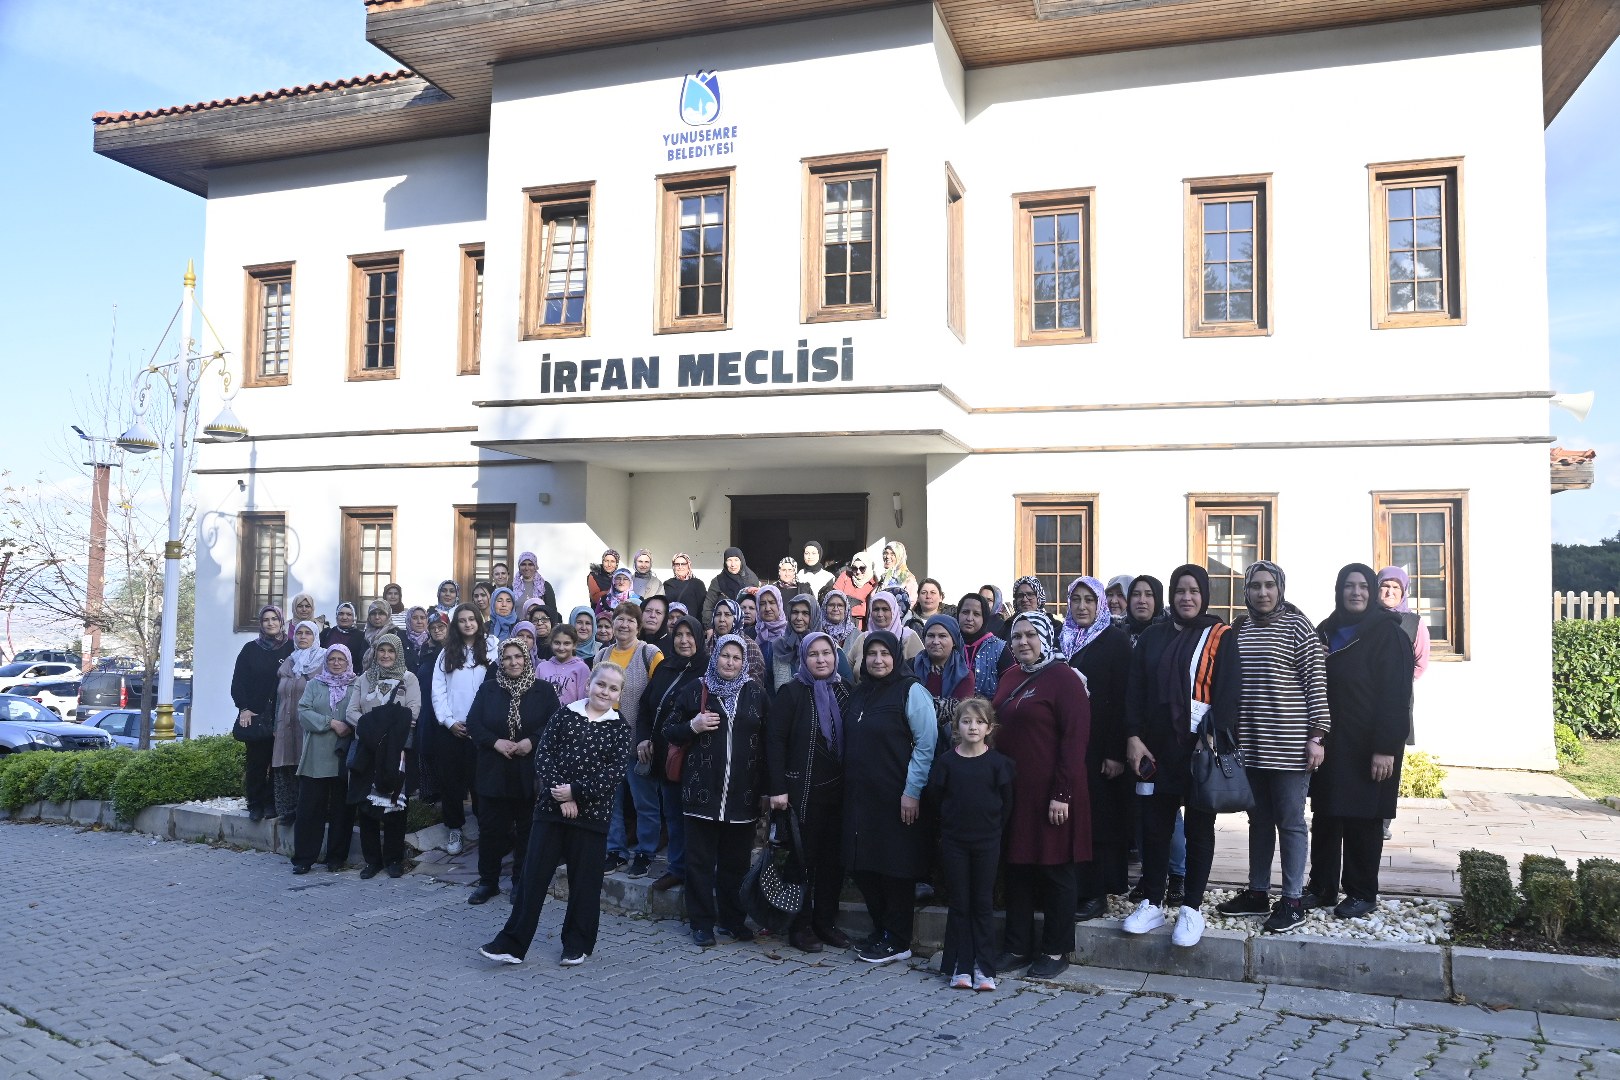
1568, 744
56, 785
1549, 894
1597, 888
97, 770
1586, 676
420, 815
21, 782
204, 768
1487, 889
1421, 777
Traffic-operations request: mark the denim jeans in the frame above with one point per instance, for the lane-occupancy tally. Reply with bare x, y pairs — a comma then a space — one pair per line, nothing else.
1279, 811
645, 793
675, 822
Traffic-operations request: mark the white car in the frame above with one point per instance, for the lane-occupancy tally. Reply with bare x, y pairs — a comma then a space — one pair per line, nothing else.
33, 671
61, 696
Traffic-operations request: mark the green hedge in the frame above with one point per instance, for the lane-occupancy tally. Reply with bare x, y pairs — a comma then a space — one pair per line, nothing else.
180, 771
1586, 676
1421, 777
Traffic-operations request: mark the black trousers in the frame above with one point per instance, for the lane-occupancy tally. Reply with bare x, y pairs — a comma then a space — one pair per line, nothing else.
1052, 888
551, 843
969, 875
322, 808
823, 858
1356, 844
256, 784
503, 826
716, 861
1158, 825
1113, 832
891, 901
381, 842
456, 757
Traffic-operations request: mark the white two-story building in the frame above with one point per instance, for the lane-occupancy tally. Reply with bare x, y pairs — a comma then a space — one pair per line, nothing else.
1035, 286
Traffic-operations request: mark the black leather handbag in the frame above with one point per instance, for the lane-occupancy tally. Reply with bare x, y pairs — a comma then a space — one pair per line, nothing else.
1220, 784
262, 728
776, 888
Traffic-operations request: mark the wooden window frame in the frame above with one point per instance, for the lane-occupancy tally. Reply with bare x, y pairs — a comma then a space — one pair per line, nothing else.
537, 201
256, 277
1025, 509
1025, 206
464, 517
359, 267
1455, 503
670, 187
248, 602
813, 307
1200, 504
1196, 193
955, 255
354, 518
1448, 172
469, 344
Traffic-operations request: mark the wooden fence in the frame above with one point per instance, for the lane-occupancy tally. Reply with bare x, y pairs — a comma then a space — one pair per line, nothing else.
1586, 606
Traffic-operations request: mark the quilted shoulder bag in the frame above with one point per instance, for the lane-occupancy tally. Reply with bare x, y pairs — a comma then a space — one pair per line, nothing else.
770, 893
1220, 784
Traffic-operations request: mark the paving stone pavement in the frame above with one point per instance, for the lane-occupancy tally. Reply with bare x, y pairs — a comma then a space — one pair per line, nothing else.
132, 957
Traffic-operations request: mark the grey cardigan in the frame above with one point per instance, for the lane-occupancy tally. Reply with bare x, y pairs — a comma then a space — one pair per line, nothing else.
315, 712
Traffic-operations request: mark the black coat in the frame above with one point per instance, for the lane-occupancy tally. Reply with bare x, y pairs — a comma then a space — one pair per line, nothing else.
877, 755
1106, 664
726, 586
493, 774
254, 681
1369, 690
796, 757
724, 769
353, 639
1149, 719
658, 703
689, 592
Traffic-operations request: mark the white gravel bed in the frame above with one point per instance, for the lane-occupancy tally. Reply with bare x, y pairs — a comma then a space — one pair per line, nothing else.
224, 802
1409, 919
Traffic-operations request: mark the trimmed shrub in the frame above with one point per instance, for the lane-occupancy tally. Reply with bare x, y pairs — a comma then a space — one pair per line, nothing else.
1487, 888
204, 768
1586, 676
1421, 777
1597, 886
19, 785
98, 768
1549, 894
420, 815
57, 783
1568, 744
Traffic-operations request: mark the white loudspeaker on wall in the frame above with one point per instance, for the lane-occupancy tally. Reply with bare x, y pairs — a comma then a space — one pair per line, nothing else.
1577, 405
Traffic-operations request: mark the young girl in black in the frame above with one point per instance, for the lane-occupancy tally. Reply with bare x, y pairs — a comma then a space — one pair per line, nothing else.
971, 786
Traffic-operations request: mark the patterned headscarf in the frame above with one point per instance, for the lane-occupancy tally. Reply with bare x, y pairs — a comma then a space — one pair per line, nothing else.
524, 590
1042, 624
307, 662
1074, 637
375, 672
727, 690
897, 601
839, 632
768, 632
418, 639
440, 607
1035, 583
337, 686
515, 687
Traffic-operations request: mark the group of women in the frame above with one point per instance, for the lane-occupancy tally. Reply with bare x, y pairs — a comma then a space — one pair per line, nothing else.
857, 702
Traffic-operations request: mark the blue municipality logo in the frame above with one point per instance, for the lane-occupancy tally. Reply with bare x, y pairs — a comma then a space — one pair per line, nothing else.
700, 98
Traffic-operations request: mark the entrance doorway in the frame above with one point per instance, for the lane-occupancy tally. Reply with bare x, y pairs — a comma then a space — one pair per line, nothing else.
768, 527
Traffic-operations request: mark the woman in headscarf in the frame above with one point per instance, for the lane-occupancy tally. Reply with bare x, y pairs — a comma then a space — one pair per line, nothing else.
728, 620
685, 660
1144, 602
448, 595
322, 785
886, 612
986, 654
379, 621
583, 620
461, 670
1101, 653
889, 739
1045, 722
1185, 677
804, 764
728, 584
303, 610
504, 724
503, 614
836, 621
857, 582
524, 632
813, 576
382, 831
720, 719
684, 587
943, 671
1118, 602
643, 582
620, 593
770, 624
1369, 689
1028, 594
544, 622
996, 617
415, 636
896, 574
254, 683
347, 633
654, 620
302, 664
787, 576
531, 585
599, 579
394, 597
1394, 594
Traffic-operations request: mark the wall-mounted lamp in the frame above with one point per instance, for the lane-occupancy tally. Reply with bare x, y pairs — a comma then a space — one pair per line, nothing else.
545, 498
691, 506
899, 512
1577, 405
241, 485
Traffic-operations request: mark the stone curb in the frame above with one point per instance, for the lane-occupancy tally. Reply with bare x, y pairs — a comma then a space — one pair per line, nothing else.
1299, 969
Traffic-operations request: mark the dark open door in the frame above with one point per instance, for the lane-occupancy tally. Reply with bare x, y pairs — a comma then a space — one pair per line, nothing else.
768, 527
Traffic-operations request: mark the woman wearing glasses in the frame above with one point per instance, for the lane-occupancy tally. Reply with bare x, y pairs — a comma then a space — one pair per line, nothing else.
856, 582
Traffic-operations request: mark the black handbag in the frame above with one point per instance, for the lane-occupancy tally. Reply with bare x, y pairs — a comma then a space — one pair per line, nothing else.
769, 893
1220, 784
262, 728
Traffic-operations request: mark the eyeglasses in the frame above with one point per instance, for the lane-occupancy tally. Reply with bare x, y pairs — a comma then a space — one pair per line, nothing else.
857, 567
1023, 595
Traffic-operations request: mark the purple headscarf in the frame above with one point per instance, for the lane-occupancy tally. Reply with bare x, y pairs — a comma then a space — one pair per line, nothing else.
337, 686
534, 653
1074, 637
1406, 586
828, 715
767, 632
521, 589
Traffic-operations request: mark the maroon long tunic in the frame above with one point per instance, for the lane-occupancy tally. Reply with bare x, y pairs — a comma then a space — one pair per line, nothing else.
1045, 725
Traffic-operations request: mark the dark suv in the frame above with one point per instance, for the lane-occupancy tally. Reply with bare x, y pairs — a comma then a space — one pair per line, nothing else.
122, 690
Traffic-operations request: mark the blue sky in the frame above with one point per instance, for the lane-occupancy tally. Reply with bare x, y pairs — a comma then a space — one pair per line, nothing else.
96, 234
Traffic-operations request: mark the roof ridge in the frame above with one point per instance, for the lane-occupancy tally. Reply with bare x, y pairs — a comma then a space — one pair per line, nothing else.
327, 86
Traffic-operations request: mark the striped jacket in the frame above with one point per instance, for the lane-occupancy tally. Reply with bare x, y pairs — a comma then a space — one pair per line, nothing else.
1284, 695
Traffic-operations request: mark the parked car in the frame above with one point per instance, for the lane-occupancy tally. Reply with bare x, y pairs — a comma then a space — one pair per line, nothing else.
122, 690
123, 726
28, 671
60, 696
27, 725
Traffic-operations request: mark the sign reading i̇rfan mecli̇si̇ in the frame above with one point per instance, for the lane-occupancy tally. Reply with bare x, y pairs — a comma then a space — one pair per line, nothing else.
753, 368
699, 109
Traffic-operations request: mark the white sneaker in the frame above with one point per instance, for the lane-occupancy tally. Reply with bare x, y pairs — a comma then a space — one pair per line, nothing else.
1147, 916
1189, 927
454, 846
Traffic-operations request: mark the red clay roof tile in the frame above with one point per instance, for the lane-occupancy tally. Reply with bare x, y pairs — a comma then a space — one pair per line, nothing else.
249, 99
